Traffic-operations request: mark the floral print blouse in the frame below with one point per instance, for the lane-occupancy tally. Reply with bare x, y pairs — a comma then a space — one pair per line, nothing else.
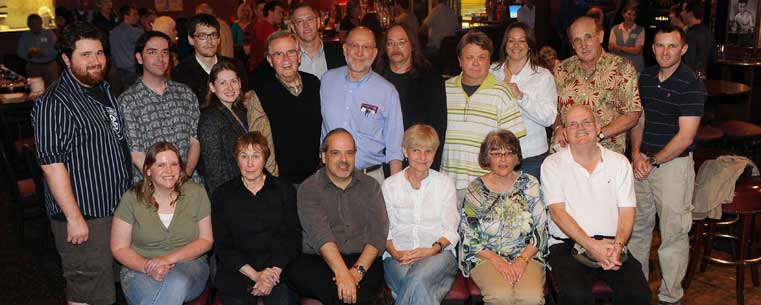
502, 222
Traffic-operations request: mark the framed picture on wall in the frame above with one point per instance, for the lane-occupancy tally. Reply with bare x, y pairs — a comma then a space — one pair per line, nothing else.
741, 22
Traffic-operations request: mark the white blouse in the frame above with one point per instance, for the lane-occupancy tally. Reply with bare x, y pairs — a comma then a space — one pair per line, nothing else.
418, 218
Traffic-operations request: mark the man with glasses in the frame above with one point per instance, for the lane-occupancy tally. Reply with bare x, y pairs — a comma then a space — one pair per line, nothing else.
604, 81
291, 101
157, 109
364, 103
317, 56
203, 35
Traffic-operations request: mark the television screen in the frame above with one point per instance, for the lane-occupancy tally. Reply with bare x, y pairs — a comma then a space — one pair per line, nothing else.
514, 10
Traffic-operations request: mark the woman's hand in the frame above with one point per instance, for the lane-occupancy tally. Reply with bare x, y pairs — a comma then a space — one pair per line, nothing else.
399, 254
517, 268
513, 88
160, 272
503, 267
157, 262
417, 254
261, 288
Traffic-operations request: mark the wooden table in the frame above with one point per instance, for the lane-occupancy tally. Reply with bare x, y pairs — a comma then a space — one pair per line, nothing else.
745, 71
729, 100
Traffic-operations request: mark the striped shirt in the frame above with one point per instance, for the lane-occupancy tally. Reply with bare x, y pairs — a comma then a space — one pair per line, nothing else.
682, 94
469, 119
72, 128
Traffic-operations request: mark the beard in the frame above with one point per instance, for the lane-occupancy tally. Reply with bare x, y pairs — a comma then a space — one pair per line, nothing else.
91, 75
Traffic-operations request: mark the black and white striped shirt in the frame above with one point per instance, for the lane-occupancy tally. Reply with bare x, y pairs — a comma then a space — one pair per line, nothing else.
73, 128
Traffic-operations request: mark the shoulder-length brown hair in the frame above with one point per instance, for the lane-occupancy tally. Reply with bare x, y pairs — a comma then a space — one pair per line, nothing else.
533, 56
419, 62
211, 99
144, 189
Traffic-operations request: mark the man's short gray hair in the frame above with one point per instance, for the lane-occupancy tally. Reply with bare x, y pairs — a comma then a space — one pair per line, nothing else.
277, 35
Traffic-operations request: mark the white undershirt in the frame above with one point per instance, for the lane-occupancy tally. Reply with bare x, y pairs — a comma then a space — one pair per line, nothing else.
166, 219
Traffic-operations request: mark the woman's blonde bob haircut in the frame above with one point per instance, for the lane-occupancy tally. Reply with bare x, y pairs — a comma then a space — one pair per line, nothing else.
420, 135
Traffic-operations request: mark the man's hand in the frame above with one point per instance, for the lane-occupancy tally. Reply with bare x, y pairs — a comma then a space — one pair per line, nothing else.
347, 287
77, 231
641, 167
356, 275
559, 137
415, 255
32, 52
601, 251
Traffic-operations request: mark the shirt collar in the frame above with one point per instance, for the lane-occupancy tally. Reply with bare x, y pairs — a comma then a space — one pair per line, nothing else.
488, 82
327, 183
359, 83
320, 54
69, 78
568, 156
427, 180
295, 90
204, 67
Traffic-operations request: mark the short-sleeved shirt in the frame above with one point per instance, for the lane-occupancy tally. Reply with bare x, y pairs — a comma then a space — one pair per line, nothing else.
150, 238
469, 119
351, 218
610, 91
150, 118
682, 94
45, 41
592, 199
369, 109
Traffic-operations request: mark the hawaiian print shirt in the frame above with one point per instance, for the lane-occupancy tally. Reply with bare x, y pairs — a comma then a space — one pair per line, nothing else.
611, 91
504, 223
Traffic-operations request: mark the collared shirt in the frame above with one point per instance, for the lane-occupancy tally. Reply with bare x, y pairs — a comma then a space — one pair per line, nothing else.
702, 50
351, 218
369, 109
150, 118
72, 128
592, 199
203, 66
610, 91
441, 22
122, 40
316, 65
539, 107
295, 89
45, 41
682, 94
469, 119
504, 223
419, 217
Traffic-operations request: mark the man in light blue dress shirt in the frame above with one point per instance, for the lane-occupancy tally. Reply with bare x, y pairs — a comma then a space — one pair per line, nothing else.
364, 103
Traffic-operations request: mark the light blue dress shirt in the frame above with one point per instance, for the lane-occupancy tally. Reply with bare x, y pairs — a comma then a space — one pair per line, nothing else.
369, 109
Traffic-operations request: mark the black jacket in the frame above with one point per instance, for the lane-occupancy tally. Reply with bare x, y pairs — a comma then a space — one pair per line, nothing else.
190, 72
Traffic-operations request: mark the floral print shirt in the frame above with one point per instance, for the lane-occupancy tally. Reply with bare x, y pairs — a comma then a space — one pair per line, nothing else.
502, 222
610, 90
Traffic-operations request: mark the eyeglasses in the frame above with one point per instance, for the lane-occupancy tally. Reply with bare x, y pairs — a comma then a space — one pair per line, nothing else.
501, 154
402, 43
157, 53
206, 36
356, 46
278, 55
301, 22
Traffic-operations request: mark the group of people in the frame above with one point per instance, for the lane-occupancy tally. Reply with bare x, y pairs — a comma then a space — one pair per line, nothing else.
332, 171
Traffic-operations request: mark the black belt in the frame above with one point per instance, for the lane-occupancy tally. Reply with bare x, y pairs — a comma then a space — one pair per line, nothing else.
651, 154
371, 168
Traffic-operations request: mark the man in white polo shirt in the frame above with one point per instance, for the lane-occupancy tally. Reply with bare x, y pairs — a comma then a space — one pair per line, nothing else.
589, 191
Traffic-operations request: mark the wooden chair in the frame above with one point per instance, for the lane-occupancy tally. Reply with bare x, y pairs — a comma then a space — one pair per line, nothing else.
24, 193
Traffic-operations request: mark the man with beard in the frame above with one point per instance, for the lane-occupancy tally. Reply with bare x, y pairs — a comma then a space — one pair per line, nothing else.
157, 109
364, 103
317, 56
345, 227
83, 152
420, 86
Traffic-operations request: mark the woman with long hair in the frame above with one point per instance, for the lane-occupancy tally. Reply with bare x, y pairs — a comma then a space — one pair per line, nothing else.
161, 231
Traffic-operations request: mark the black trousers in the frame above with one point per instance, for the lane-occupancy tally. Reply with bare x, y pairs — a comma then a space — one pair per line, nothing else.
575, 280
280, 295
311, 277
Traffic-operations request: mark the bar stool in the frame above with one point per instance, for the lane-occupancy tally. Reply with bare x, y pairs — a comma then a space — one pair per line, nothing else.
743, 135
746, 205
709, 135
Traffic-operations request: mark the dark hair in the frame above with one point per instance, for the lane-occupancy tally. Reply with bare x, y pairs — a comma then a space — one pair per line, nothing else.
533, 56
477, 38
32, 17
676, 9
695, 7
201, 19
670, 29
498, 139
211, 99
324, 145
419, 62
144, 189
253, 138
403, 3
143, 40
145, 12
373, 23
125, 10
77, 31
270, 7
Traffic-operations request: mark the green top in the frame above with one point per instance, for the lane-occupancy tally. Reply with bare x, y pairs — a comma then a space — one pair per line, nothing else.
149, 236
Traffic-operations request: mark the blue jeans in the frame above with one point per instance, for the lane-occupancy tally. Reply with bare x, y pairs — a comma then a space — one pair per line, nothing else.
533, 165
183, 283
426, 282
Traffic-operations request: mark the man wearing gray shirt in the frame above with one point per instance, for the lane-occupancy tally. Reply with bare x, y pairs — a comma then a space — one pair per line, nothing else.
343, 215
37, 47
122, 40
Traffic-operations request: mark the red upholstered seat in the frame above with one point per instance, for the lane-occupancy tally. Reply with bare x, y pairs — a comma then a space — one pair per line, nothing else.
201, 299
472, 287
217, 301
308, 301
601, 288
26, 188
740, 129
747, 197
23, 141
459, 291
709, 133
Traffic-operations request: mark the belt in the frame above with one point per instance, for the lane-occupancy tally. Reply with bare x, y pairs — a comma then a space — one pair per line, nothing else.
371, 168
650, 153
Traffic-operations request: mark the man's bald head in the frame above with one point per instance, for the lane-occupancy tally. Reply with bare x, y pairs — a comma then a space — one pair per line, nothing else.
360, 32
577, 110
585, 21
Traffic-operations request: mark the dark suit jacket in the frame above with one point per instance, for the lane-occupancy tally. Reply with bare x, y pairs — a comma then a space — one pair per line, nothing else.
217, 132
334, 54
189, 72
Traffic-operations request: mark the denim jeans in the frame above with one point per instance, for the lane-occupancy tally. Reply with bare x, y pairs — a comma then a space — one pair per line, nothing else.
426, 282
533, 165
183, 283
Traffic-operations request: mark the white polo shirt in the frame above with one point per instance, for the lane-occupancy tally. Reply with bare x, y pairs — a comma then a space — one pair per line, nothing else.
591, 199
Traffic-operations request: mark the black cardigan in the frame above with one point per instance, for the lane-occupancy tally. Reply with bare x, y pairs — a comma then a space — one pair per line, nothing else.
217, 132
261, 230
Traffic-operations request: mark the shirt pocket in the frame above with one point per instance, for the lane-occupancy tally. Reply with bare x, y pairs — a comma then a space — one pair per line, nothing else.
369, 124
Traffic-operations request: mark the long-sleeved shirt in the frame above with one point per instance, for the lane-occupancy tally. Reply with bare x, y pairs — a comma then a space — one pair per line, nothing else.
122, 40
419, 217
44, 40
350, 218
539, 105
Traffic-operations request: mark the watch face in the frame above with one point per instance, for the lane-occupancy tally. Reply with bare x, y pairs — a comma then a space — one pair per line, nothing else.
601, 135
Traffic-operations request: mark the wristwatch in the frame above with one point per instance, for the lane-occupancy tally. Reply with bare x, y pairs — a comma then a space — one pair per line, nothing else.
653, 162
360, 269
601, 135
441, 247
